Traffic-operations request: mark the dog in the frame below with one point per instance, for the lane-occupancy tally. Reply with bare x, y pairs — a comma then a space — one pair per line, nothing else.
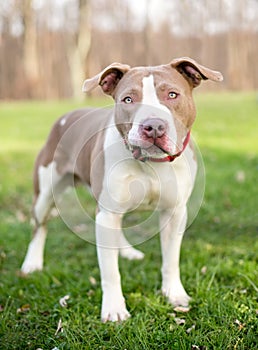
139, 155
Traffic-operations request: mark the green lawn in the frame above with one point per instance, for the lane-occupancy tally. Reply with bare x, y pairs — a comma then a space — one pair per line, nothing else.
219, 252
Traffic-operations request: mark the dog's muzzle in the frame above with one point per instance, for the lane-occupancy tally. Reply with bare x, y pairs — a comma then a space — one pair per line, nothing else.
141, 154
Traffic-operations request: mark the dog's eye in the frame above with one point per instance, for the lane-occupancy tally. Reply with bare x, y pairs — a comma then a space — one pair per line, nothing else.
172, 95
128, 100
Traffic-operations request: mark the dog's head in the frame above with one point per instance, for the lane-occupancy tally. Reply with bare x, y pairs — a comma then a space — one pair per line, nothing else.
154, 106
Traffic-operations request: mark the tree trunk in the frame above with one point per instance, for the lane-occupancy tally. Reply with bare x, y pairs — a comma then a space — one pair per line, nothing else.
79, 47
30, 54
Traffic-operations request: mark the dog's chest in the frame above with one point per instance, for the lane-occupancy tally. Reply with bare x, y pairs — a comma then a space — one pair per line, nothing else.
143, 189
132, 185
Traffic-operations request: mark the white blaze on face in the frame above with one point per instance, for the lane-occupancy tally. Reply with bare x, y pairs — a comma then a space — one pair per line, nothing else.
149, 95
152, 108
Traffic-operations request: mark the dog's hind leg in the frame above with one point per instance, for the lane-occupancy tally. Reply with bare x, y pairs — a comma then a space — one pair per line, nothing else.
46, 181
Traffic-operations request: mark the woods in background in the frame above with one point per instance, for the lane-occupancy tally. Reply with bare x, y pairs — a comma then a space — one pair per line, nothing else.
47, 47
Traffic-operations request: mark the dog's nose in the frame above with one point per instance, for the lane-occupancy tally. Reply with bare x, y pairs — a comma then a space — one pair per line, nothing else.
153, 128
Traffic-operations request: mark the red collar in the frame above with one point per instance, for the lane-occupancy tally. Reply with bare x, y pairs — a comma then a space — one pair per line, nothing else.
169, 158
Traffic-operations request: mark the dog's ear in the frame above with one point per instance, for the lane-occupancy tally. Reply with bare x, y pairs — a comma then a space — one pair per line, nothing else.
107, 79
193, 71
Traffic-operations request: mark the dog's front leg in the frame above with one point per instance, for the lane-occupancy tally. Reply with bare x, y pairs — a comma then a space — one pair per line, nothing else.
108, 229
172, 227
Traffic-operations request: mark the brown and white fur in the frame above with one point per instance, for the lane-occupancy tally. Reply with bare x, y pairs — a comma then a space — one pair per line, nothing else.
131, 158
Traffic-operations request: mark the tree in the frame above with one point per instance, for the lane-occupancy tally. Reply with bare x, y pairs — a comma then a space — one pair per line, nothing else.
79, 47
30, 55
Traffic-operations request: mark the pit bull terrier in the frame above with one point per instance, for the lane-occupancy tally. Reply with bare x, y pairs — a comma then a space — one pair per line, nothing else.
137, 156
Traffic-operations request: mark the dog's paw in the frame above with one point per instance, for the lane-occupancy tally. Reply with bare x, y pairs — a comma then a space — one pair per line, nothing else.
178, 298
113, 306
114, 314
31, 266
131, 253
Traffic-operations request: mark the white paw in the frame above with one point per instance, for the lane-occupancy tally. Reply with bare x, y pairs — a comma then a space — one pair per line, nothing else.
177, 297
115, 316
31, 266
114, 311
131, 253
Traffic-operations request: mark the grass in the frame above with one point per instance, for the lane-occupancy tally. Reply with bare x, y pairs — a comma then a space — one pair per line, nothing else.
218, 261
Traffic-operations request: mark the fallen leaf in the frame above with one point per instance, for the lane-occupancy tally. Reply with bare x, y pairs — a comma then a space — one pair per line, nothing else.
204, 270
182, 309
62, 301
243, 291
90, 293
240, 325
93, 281
190, 329
179, 321
23, 308
59, 327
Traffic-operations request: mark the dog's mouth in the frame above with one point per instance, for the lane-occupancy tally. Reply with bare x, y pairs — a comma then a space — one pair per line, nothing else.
154, 153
